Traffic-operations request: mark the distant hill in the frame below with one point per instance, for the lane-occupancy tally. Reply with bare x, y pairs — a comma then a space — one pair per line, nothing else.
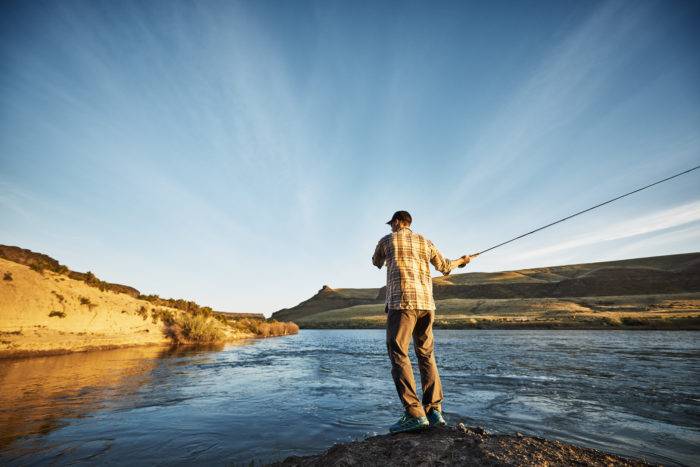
330, 299
666, 288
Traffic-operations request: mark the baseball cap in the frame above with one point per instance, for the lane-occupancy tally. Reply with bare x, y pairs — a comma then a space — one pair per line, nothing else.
403, 216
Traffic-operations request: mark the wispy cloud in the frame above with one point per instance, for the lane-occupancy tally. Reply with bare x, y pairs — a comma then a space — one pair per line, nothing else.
12, 199
222, 134
565, 84
649, 224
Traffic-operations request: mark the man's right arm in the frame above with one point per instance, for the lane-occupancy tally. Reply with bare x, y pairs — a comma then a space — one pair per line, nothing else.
443, 264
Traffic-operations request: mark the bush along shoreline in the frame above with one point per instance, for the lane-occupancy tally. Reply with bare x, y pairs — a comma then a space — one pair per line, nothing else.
205, 327
186, 322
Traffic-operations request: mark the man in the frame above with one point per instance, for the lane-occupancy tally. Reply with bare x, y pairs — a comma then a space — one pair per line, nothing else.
411, 312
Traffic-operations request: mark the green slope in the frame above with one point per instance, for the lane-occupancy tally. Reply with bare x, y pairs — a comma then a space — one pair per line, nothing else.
554, 294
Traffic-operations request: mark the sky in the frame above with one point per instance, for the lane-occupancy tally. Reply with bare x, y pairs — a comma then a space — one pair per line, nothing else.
244, 154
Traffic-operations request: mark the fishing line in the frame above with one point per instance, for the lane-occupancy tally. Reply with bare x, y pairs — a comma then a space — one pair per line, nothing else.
586, 210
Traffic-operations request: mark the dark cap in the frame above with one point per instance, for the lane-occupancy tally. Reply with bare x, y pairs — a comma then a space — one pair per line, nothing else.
402, 216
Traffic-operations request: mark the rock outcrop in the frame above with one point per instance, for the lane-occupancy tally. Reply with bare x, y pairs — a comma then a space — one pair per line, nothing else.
462, 446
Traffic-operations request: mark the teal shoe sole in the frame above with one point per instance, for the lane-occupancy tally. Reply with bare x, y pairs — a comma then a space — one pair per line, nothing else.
407, 428
436, 419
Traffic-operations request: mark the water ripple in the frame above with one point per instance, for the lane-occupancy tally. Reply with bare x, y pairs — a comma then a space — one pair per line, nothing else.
627, 392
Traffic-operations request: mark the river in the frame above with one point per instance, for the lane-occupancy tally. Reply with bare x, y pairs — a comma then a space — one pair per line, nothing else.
632, 393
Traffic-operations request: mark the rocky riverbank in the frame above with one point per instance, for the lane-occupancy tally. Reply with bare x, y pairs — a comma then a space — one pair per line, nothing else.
462, 446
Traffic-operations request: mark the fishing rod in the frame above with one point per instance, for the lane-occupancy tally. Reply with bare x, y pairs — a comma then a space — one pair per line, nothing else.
585, 210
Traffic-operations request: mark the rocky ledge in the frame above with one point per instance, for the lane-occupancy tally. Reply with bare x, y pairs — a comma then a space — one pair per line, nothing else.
459, 445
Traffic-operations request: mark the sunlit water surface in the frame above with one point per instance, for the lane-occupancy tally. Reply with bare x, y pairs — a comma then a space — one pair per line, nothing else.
633, 393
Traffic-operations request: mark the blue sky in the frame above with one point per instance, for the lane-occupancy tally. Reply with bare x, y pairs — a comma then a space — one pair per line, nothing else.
243, 154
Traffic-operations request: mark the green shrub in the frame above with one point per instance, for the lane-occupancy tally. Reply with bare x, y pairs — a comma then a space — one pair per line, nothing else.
191, 328
38, 267
221, 319
142, 312
205, 311
184, 305
611, 320
60, 314
166, 316
86, 301
263, 328
7, 276
272, 328
630, 321
93, 281
90, 278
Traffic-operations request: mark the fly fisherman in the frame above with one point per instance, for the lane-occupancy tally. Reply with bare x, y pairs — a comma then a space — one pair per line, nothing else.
411, 312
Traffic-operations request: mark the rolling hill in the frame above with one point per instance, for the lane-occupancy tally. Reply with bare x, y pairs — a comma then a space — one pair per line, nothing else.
655, 292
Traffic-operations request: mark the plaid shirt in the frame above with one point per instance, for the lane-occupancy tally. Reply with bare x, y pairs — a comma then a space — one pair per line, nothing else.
408, 282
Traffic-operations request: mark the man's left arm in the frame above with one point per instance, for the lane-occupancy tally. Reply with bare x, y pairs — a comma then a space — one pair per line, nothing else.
378, 258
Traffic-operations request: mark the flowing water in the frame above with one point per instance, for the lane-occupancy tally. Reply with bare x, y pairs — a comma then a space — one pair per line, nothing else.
632, 393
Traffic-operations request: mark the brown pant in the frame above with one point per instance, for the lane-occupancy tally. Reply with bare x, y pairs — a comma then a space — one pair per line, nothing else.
400, 326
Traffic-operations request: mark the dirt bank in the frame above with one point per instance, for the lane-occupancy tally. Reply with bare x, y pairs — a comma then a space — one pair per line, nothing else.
46, 313
459, 446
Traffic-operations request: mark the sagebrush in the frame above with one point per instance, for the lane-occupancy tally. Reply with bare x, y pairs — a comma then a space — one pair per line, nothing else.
190, 328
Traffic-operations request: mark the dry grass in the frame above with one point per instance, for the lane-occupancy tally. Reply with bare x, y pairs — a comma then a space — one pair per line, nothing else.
276, 328
199, 328
561, 294
263, 328
188, 328
666, 311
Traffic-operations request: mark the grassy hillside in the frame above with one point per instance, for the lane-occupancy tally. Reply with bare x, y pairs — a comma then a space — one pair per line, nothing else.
659, 292
328, 299
46, 308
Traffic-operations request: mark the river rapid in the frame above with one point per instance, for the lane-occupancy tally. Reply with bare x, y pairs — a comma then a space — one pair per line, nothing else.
634, 393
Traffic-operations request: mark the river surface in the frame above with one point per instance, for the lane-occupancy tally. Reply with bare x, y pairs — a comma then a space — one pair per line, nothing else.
632, 393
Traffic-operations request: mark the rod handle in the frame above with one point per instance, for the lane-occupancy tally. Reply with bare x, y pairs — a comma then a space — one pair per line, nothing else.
470, 257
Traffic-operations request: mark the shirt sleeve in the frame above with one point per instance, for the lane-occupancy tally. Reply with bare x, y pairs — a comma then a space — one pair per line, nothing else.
441, 263
378, 258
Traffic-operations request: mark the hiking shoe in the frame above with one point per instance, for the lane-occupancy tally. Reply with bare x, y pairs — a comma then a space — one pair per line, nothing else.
409, 423
435, 418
